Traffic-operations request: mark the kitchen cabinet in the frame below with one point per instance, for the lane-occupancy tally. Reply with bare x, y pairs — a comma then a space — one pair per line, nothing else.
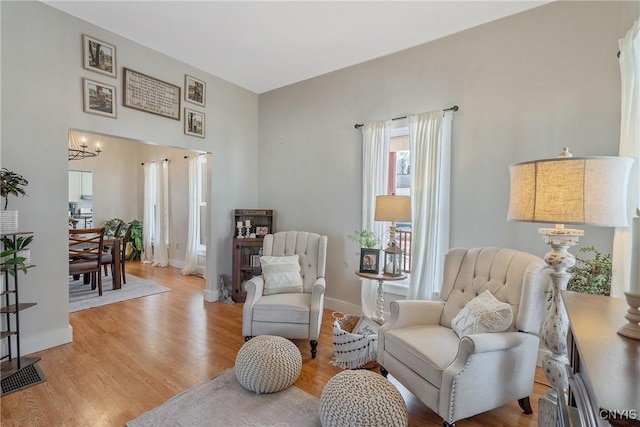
80, 185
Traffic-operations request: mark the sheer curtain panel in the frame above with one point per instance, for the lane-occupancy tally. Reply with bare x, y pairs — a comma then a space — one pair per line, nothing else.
191, 257
160, 242
375, 177
625, 267
430, 138
148, 217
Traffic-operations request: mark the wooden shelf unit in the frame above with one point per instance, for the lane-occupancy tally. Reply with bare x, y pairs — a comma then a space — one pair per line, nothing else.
11, 307
247, 250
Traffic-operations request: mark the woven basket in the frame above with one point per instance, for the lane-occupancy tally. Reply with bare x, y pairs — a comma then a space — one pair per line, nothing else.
347, 323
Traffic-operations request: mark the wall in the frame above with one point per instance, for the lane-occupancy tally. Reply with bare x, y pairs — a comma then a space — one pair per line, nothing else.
527, 85
41, 99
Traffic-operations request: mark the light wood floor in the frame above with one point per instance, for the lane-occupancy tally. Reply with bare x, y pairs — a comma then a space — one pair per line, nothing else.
130, 357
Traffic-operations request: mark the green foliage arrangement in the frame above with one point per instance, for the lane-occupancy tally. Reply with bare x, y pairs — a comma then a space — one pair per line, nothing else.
8, 256
11, 183
110, 226
367, 239
21, 244
135, 241
8, 261
591, 276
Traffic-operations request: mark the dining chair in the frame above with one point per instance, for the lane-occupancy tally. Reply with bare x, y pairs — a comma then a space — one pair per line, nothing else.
85, 254
124, 234
106, 260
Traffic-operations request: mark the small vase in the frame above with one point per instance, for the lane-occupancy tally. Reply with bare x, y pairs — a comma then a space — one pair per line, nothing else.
8, 221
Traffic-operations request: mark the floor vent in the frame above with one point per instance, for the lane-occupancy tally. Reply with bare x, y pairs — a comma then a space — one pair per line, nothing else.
30, 375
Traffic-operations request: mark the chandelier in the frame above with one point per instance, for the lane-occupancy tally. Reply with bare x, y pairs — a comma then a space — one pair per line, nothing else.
80, 150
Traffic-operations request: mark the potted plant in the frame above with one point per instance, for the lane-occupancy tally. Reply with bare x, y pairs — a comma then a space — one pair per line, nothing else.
370, 250
9, 259
591, 275
19, 245
367, 239
110, 226
135, 241
13, 184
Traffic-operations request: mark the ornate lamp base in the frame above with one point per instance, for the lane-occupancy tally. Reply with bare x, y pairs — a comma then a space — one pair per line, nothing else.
556, 325
632, 329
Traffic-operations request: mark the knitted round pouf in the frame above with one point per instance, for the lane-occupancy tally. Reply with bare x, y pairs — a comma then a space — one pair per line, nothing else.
361, 398
268, 364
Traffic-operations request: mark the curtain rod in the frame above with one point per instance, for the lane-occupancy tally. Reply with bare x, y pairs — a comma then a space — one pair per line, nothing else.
153, 161
454, 108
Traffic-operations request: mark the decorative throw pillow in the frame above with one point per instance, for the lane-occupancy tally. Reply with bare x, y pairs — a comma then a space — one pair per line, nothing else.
281, 274
484, 313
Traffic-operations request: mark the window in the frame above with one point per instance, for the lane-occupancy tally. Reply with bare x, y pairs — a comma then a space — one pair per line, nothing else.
153, 199
201, 184
400, 184
160, 213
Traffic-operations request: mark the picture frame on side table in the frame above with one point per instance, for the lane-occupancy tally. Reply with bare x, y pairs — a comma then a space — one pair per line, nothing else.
369, 260
262, 230
99, 98
98, 56
194, 90
193, 123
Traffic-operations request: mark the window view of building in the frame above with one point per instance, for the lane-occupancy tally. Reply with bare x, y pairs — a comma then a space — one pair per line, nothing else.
400, 184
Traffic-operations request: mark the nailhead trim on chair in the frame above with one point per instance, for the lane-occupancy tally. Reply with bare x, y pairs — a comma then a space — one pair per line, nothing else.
268, 364
361, 398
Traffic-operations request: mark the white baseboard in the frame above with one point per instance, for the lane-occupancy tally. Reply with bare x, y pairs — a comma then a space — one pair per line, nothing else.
211, 295
41, 342
342, 306
180, 264
176, 263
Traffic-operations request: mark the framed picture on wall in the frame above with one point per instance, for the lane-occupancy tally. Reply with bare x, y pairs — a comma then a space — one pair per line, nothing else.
99, 56
194, 90
99, 98
193, 123
369, 260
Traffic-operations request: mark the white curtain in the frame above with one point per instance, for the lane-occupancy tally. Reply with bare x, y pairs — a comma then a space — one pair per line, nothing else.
193, 238
148, 217
430, 138
625, 267
160, 242
375, 177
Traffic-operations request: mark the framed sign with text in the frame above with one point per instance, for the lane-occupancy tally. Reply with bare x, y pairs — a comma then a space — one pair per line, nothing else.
148, 94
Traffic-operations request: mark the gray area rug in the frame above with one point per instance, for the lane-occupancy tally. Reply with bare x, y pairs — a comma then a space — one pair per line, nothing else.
82, 297
222, 401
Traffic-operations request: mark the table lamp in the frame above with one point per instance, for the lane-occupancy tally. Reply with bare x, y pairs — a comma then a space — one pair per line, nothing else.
566, 190
394, 209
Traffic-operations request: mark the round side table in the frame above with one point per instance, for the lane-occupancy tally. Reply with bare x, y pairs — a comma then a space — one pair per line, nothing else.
381, 278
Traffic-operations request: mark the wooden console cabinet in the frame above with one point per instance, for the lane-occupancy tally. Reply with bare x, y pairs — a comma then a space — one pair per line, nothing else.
247, 250
605, 367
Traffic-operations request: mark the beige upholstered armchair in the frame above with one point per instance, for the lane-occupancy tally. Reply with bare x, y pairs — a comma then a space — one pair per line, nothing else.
459, 376
288, 298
